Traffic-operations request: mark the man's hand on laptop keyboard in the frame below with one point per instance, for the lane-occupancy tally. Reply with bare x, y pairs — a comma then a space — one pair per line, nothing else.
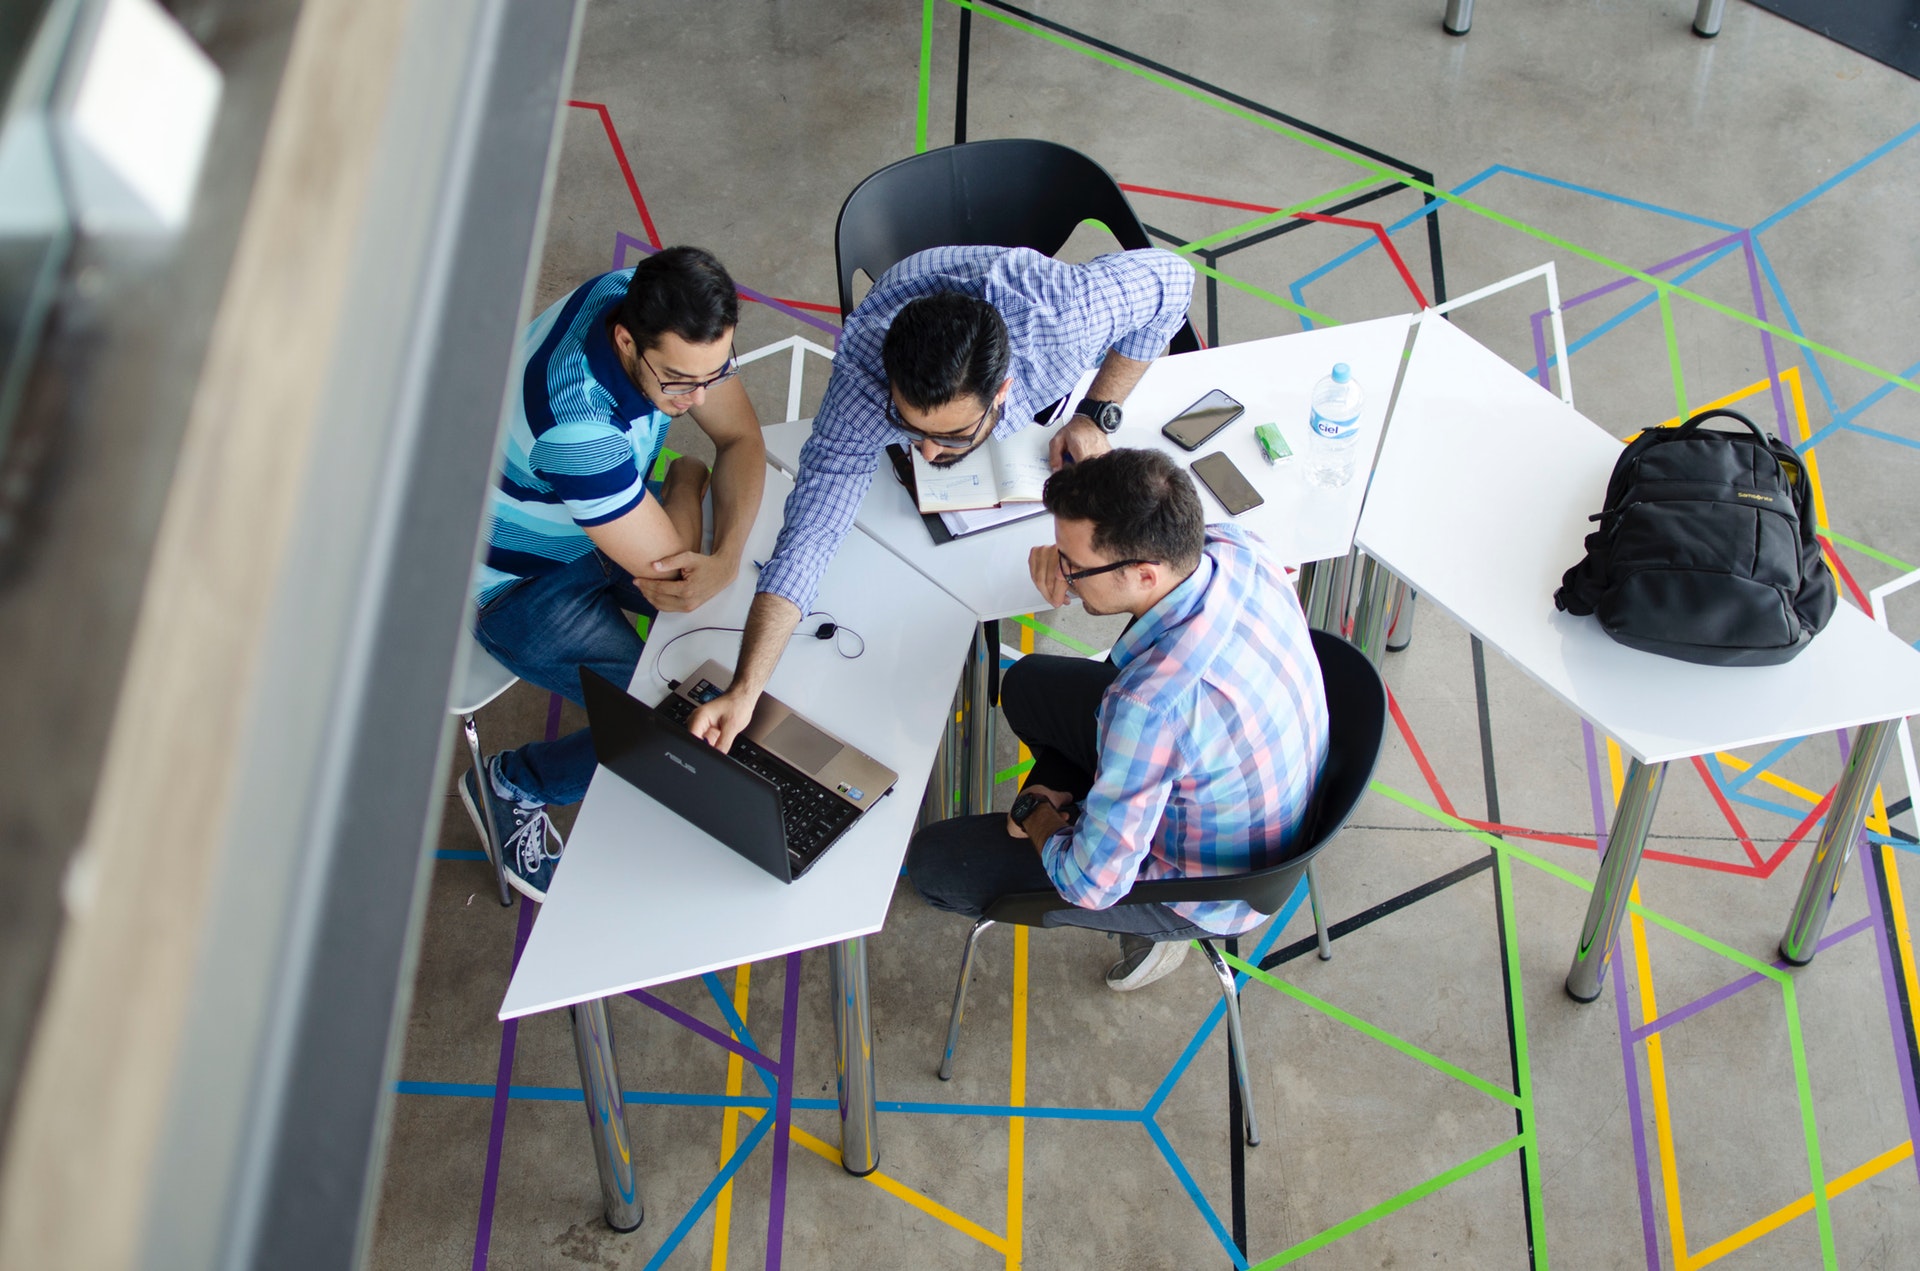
718, 722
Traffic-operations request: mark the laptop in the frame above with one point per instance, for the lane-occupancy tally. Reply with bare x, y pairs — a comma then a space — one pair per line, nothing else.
787, 792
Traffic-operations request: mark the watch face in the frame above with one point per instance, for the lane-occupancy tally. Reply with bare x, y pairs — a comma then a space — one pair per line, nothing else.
1108, 417
1023, 806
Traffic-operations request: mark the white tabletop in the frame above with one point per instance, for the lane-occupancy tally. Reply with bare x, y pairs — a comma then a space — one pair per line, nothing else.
642, 897
1273, 378
1480, 502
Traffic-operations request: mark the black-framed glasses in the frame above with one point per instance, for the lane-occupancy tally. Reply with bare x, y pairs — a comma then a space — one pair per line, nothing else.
947, 441
1072, 576
686, 388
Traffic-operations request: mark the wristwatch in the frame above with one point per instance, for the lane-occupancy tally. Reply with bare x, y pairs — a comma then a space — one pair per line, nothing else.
1106, 415
1025, 805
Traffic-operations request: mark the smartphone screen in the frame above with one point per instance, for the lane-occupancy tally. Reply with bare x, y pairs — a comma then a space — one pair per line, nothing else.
1223, 480
1191, 427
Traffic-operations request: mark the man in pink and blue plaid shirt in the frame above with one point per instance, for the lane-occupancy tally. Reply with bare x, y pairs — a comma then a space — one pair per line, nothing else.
1192, 752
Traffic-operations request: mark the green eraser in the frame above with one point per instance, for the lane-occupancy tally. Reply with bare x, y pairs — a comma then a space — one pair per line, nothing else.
1272, 445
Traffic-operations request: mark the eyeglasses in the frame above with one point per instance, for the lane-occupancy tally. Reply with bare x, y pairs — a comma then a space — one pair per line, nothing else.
686, 388
946, 441
1072, 576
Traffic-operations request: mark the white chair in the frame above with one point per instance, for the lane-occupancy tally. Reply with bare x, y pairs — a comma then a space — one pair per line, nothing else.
482, 679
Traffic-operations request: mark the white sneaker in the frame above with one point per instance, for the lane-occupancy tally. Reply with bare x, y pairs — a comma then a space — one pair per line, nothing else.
1142, 961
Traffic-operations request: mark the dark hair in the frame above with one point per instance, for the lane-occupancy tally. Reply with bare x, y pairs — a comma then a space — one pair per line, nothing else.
1142, 505
679, 289
944, 346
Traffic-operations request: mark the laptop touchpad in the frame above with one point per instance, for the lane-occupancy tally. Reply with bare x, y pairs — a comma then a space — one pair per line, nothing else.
801, 744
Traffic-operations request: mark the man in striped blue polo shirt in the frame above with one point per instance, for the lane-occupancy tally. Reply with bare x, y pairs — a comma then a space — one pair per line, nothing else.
576, 540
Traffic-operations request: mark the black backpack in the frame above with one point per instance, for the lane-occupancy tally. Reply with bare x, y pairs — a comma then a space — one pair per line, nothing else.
1705, 550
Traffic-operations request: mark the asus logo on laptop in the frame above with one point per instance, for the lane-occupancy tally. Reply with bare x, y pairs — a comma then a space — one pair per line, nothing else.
673, 758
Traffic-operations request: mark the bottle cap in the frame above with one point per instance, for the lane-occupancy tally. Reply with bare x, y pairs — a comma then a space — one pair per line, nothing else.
1340, 373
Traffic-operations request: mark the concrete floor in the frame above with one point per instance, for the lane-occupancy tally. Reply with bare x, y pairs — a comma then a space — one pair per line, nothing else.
1771, 1130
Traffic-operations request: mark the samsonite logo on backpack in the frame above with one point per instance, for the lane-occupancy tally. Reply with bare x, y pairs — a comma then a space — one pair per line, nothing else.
1705, 550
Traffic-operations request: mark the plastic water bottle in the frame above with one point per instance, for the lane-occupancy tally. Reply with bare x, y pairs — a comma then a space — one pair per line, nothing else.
1335, 428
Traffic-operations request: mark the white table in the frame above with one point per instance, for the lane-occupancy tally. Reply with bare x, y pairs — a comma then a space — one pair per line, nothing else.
1273, 378
1300, 522
1480, 501
642, 897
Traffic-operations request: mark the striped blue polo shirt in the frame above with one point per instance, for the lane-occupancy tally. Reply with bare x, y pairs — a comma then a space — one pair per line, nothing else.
579, 447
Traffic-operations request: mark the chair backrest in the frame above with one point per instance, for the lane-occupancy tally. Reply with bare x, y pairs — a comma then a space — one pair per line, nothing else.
1013, 192
1357, 726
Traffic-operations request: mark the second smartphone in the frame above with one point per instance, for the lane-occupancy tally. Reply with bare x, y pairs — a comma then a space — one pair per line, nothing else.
1190, 429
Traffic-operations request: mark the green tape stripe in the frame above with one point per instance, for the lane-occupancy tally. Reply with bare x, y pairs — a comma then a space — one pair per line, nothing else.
1522, 1066
926, 79
1673, 354
1008, 774
1374, 1031
1385, 173
1040, 628
1803, 1082
1273, 218
1584, 884
1864, 550
1268, 296
1386, 1207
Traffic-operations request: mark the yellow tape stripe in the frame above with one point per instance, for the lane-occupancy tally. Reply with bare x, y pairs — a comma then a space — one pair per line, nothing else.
933, 1208
1657, 1080
1017, 1097
729, 1127
1781, 1217
1773, 779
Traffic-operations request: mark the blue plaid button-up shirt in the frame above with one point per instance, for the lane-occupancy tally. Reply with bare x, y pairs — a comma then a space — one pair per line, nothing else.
1061, 321
1211, 738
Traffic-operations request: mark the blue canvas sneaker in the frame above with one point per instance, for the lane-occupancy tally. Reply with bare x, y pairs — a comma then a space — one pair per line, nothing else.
527, 835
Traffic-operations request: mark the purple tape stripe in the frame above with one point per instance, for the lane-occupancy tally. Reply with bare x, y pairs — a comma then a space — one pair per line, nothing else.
1869, 872
707, 1031
1643, 1172
623, 241
1540, 349
783, 1115
503, 1074
502, 1081
1740, 985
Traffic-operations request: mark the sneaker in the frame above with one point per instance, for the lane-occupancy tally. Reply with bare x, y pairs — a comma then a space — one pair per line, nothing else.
1142, 961
531, 842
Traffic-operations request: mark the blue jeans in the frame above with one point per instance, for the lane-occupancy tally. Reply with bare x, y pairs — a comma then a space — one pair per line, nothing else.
544, 630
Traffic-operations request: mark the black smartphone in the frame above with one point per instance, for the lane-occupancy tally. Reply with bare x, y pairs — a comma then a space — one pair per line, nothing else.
1190, 429
1224, 482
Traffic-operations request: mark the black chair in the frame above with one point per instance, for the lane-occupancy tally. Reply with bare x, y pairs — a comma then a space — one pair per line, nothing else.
1014, 192
1357, 718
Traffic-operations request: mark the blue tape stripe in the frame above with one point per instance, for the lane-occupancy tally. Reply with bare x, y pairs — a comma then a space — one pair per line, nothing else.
668, 1098
1219, 1009
1882, 436
1760, 765
706, 1198
460, 854
1623, 200
1792, 320
737, 1025
1193, 1192
1871, 157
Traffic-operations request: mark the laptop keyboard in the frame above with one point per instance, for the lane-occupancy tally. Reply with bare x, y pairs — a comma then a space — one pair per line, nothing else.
811, 815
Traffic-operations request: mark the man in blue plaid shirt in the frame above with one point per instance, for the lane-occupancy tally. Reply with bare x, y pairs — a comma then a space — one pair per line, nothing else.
951, 347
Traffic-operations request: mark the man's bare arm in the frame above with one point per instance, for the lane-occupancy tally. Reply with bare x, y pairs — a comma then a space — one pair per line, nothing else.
687, 579
1082, 437
656, 528
770, 624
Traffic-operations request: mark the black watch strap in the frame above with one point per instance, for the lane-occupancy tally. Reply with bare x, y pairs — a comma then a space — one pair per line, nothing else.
1026, 805
1105, 414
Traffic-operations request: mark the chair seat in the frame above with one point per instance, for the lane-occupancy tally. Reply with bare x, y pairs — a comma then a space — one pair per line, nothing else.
482, 679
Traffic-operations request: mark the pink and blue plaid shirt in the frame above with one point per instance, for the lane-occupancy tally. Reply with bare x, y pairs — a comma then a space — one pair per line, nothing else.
1211, 738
